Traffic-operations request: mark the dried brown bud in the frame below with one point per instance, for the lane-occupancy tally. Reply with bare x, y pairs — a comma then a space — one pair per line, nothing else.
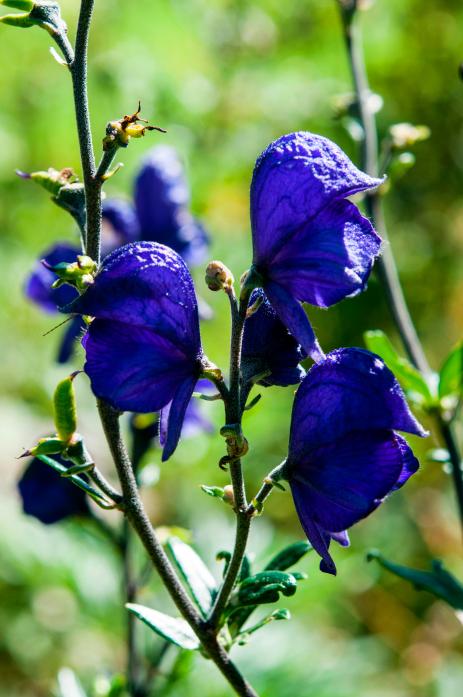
218, 276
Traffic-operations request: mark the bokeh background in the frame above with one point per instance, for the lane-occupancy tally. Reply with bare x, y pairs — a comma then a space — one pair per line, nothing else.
225, 78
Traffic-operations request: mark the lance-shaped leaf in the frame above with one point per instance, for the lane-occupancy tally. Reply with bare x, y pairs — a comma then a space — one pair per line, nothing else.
197, 576
438, 581
451, 374
289, 556
265, 587
409, 377
173, 629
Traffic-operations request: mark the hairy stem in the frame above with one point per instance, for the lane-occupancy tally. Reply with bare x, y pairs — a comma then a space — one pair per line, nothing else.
386, 265
233, 415
138, 519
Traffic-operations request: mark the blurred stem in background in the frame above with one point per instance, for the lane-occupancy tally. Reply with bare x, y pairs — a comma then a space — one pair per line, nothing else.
386, 265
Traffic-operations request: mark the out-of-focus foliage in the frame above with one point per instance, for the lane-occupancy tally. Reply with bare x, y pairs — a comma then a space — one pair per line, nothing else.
225, 78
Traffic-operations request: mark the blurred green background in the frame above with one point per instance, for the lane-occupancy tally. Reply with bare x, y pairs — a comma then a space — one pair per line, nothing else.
225, 78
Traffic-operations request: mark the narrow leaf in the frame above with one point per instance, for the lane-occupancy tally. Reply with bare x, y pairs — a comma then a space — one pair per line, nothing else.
451, 374
173, 629
289, 556
196, 574
438, 581
409, 377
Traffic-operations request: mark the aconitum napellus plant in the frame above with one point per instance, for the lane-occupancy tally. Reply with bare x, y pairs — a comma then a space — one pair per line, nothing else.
134, 312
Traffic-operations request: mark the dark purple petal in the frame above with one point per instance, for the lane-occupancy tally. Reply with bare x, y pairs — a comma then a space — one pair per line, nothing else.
47, 496
38, 284
329, 258
268, 346
175, 414
318, 538
410, 464
342, 538
343, 482
146, 285
73, 332
294, 318
162, 200
294, 178
120, 224
351, 390
134, 368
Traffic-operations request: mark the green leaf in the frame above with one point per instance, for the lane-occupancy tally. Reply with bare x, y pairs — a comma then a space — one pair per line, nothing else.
413, 383
265, 587
196, 574
289, 556
69, 685
173, 629
451, 374
90, 490
438, 581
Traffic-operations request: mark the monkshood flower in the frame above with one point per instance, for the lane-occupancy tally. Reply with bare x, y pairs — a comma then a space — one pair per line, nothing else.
345, 456
143, 347
47, 496
309, 243
268, 348
162, 203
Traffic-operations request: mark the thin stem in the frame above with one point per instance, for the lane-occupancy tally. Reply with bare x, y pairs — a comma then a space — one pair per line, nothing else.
130, 593
386, 265
97, 477
65, 47
79, 81
233, 415
137, 517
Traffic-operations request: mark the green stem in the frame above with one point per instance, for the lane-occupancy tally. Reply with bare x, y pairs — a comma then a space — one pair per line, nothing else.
138, 519
386, 265
233, 415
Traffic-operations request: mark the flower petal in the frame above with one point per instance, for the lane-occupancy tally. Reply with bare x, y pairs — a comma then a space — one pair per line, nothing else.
318, 538
38, 284
294, 318
146, 284
410, 464
47, 496
352, 389
294, 178
172, 417
345, 481
162, 200
134, 368
268, 346
329, 258
120, 224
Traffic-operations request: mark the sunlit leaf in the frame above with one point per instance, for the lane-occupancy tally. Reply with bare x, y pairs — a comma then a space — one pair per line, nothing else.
173, 629
196, 574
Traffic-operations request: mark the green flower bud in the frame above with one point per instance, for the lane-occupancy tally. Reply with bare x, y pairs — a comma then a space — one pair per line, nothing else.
43, 13
17, 20
79, 274
65, 410
46, 446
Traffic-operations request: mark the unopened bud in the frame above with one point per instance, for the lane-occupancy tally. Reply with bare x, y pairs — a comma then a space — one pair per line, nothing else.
42, 13
218, 276
25, 5
65, 411
79, 274
229, 495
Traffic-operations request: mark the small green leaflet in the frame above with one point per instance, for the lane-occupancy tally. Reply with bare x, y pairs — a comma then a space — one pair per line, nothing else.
173, 629
197, 576
451, 374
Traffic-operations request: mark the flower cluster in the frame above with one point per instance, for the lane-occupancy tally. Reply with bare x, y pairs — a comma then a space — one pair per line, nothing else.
310, 244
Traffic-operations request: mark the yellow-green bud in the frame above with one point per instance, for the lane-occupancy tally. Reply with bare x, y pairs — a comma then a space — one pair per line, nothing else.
25, 5
65, 410
218, 276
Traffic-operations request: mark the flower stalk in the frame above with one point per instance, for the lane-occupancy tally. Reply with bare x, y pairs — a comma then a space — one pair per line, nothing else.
386, 265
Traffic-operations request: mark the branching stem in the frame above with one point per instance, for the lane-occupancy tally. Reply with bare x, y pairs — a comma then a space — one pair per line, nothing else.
386, 265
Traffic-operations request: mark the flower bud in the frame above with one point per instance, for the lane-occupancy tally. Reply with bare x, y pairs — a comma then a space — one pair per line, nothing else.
42, 13
25, 5
65, 411
229, 495
218, 276
79, 274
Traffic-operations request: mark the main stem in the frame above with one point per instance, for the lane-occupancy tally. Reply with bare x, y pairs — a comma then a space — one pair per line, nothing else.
137, 517
386, 265
233, 415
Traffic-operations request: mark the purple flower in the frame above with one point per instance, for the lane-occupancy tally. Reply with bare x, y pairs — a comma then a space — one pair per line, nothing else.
269, 348
344, 454
309, 243
49, 497
143, 348
162, 202
38, 289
